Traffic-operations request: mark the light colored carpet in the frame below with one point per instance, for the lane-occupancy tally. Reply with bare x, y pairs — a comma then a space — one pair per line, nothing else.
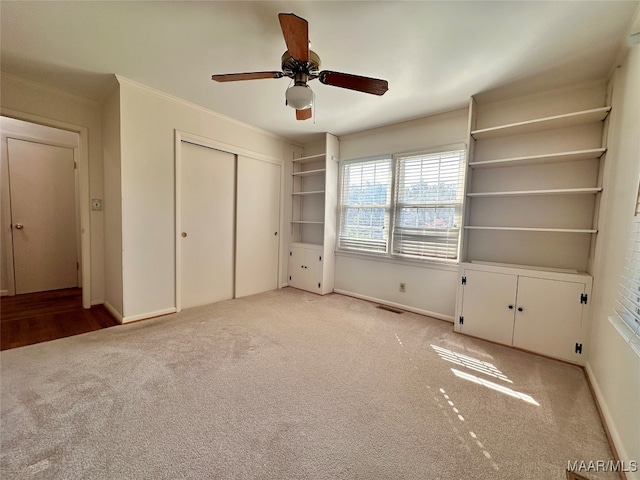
290, 385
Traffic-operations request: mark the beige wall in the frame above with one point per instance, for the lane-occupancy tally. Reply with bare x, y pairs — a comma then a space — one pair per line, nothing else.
112, 202
149, 120
612, 365
430, 289
31, 102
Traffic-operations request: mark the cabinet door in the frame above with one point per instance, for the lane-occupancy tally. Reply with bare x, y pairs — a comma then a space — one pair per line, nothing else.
296, 267
551, 315
486, 301
313, 270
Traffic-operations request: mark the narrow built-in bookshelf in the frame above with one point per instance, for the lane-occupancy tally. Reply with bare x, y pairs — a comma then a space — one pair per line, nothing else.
314, 181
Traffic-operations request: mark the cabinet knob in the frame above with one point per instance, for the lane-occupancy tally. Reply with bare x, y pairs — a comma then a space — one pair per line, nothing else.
520, 309
510, 307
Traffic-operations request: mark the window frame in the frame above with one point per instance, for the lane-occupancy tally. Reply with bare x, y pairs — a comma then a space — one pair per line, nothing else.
389, 253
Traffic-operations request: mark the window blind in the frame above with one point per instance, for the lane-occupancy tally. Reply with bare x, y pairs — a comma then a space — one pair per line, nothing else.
628, 309
365, 204
429, 192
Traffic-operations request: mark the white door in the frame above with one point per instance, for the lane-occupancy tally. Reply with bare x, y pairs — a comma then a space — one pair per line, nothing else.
296, 267
257, 227
548, 317
488, 305
206, 225
43, 216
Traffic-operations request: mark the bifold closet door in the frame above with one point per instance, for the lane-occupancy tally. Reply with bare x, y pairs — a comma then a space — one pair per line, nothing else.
258, 225
207, 225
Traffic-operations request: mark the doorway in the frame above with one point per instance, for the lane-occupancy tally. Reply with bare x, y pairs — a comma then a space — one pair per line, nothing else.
40, 248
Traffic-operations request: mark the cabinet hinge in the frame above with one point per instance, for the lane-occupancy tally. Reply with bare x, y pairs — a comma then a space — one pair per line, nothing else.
75, 166
464, 280
579, 348
290, 254
318, 284
583, 298
77, 265
461, 320
320, 258
289, 277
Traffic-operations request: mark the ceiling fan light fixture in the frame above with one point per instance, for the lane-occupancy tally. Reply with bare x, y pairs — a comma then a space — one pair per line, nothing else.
299, 96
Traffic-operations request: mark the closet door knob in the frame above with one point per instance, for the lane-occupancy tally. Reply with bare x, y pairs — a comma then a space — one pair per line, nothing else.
510, 307
19, 226
520, 309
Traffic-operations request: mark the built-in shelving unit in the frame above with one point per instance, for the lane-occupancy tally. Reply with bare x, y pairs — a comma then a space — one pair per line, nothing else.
533, 184
531, 219
314, 184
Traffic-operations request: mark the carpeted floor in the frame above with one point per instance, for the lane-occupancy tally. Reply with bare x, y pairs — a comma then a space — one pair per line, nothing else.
291, 385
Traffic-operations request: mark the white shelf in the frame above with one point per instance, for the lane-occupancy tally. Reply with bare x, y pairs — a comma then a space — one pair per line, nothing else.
310, 159
309, 173
307, 222
530, 193
314, 192
557, 121
576, 155
532, 229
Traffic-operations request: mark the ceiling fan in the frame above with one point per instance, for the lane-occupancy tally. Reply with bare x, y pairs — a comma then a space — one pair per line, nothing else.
301, 64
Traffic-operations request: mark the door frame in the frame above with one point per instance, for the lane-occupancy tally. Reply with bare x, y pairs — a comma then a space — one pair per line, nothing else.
183, 136
81, 157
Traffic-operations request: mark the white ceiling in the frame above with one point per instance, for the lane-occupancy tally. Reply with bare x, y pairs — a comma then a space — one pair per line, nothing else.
435, 55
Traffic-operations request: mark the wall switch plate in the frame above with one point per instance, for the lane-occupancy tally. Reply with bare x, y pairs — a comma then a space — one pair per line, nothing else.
96, 204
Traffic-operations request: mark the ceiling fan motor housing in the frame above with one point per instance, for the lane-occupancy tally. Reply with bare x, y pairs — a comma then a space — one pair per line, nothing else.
299, 70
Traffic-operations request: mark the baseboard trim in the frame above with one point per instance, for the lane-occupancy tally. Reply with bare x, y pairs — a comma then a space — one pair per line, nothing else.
4, 293
144, 316
607, 421
114, 313
407, 308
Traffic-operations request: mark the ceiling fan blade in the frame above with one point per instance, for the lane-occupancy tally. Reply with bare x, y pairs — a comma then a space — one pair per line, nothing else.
354, 82
234, 77
303, 114
296, 35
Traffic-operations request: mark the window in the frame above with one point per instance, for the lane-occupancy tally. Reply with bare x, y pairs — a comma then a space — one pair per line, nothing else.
429, 191
365, 205
425, 214
627, 319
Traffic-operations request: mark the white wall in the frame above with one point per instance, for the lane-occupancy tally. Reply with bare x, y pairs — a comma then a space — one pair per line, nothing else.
31, 102
112, 204
430, 289
148, 121
612, 365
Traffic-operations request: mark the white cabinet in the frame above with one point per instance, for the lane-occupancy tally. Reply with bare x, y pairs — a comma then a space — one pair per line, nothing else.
305, 267
534, 310
314, 187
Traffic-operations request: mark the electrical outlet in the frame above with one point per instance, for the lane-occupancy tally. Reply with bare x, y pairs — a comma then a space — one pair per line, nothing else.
403, 287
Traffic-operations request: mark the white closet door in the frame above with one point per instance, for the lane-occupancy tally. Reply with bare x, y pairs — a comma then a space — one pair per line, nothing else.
206, 225
258, 225
43, 216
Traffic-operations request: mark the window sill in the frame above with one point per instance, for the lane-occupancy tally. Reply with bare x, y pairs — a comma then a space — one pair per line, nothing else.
627, 334
429, 264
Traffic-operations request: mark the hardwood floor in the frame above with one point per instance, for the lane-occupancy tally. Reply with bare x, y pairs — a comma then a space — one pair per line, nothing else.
40, 317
